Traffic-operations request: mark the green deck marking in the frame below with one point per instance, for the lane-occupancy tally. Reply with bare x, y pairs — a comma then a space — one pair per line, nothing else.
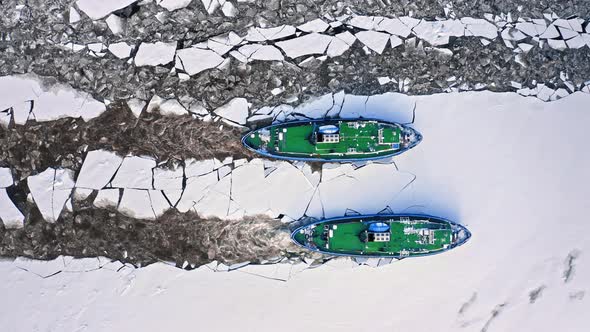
357, 139
404, 237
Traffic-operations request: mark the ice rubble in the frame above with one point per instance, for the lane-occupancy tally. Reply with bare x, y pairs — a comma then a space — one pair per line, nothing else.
30, 97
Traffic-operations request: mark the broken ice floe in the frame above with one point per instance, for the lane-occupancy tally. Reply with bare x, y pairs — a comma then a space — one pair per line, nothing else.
319, 37
10, 215
31, 97
98, 169
154, 54
50, 190
99, 9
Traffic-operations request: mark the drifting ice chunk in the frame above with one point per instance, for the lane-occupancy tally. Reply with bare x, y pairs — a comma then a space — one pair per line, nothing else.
228, 9
115, 24
99, 9
316, 107
576, 42
479, 27
395, 41
135, 172
172, 107
74, 15
121, 50
363, 22
107, 198
557, 44
567, 33
550, 32
571, 24
22, 92
531, 29
158, 202
340, 44
262, 34
394, 26
98, 169
5, 177
373, 40
154, 54
10, 215
136, 106
525, 47
212, 5
511, 34
168, 179
171, 5
317, 25
137, 204
438, 32
260, 52
194, 60
236, 110
50, 190
313, 43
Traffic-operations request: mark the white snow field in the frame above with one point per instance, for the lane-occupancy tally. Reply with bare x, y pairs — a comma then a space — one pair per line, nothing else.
513, 169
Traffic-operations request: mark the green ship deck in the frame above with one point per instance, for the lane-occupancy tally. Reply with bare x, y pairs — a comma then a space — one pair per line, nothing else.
347, 139
405, 236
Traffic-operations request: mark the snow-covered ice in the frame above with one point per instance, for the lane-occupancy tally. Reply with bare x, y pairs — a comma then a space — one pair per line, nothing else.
525, 220
154, 54
98, 169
